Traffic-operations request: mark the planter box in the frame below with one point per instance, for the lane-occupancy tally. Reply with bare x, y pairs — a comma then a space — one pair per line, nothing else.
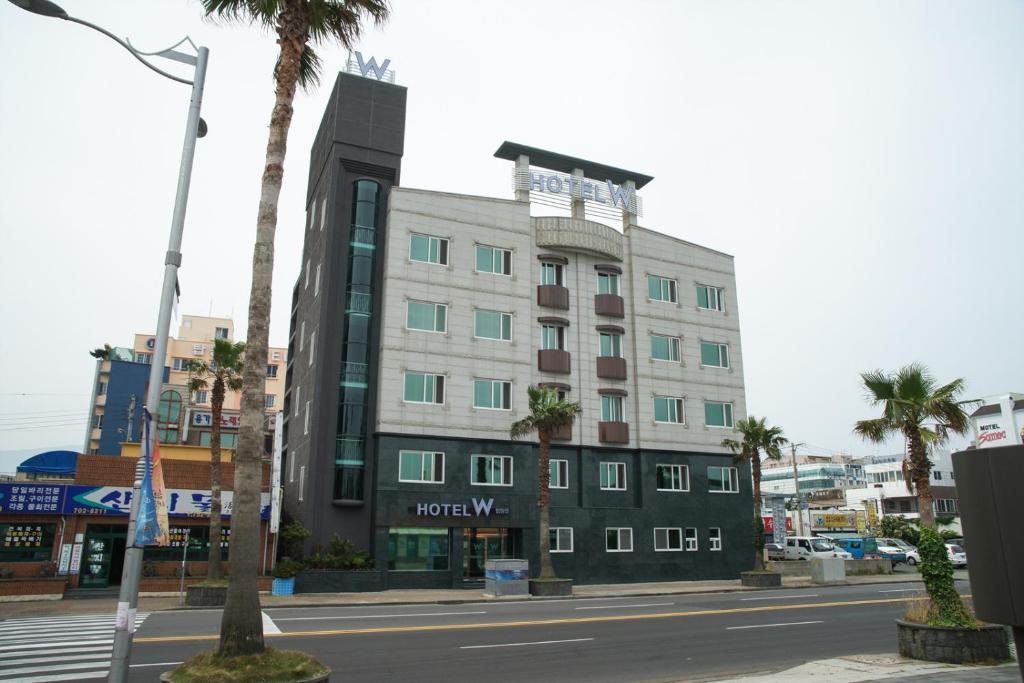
550, 588
283, 586
988, 644
165, 677
206, 596
338, 581
759, 580
32, 588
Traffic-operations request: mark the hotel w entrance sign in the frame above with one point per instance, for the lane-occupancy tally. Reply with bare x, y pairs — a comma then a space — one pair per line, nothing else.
477, 507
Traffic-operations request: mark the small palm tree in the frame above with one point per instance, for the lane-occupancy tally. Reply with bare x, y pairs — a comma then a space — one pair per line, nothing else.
758, 437
548, 413
924, 414
299, 25
225, 372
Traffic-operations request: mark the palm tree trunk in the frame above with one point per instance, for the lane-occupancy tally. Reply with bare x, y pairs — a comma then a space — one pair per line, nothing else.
920, 469
241, 629
755, 470
214, 569
547, 570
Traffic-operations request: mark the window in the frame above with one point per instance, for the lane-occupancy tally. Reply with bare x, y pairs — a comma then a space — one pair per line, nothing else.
305, 427
269, 400
421, 467
202, 396
426, 316
291, 466
323, 212
714, 538
220, 333
613, 476
669, 410
665, 348
937, 475
312, 215
493, 260
306, 285
561, 539
492, 325
271, 371
691, 539
945, 506
101, 388
661, 289
298, 393
97, 421
610, 345
668, 539
559, 474
717, 414
198, 349
714, 355
302, 335
417, 549
612, 409
146, 358
302, 482
312, 345
672, 477
551, 274
427, 249
179, 364
227, 440
316, 282
491, 470
493, 394
723, 480
608, 283
709, 298
552, 337
618, 540
275, 355
26, 542
421, 387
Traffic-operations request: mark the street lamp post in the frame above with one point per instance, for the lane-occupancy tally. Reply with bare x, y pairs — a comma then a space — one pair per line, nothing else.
194, 128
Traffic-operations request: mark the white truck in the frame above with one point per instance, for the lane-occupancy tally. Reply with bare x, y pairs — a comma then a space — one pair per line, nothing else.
812, 548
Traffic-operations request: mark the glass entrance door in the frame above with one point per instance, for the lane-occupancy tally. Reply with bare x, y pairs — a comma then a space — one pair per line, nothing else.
481, 544
102, 556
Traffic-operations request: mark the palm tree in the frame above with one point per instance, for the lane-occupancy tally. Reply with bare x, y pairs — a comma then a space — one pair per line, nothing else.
299, 25
548, 412
923, 413
757, 437
226, 372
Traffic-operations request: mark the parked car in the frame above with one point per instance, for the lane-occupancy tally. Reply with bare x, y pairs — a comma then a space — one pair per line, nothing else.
813, 547
913, 557
869, 548
775, 551
957, 555
890, 550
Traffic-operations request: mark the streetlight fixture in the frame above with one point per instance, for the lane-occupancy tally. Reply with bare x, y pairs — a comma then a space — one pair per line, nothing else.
194, 128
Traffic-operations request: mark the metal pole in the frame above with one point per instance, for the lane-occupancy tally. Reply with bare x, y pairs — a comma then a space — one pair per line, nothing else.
127, 601
184, 557
796, 492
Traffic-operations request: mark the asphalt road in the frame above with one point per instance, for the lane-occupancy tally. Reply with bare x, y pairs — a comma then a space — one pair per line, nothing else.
653, 638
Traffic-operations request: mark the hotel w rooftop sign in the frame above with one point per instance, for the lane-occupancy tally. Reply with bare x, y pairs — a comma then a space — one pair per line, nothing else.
607, 193
357, 65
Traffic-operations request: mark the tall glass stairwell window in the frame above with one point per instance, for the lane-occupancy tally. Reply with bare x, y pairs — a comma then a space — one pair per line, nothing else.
354, 382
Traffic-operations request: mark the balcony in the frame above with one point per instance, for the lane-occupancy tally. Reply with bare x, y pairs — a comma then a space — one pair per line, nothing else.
554, 360
610, 367
553, 296
610, 305
613, 432
563, 433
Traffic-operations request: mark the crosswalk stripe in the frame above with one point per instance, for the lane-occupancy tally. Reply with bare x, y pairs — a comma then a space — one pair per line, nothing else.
81, 617
92, 628
36, 646
62, 639
43, 660
77, 676
58, 651
57, 667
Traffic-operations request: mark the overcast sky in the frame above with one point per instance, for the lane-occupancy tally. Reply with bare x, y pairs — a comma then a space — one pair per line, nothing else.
863, 162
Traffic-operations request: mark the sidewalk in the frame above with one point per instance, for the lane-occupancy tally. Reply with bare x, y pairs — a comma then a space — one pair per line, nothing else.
862, 668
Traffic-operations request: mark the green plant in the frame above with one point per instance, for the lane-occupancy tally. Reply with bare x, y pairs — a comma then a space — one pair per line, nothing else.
292, 537
269, 666
894, 526
286, 568
947, 609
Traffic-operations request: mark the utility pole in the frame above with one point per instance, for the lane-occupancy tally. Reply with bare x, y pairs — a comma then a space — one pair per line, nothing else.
131, 416
796, 488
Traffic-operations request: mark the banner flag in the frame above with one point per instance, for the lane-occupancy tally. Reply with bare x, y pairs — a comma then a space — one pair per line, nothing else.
147, 526
159, 494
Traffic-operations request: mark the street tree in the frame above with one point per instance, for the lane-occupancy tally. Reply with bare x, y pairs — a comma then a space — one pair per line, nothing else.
923, 413
758, 438
223, 372
548, 413
300, 25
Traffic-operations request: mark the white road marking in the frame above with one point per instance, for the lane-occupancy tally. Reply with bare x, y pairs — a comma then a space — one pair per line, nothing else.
58, 651
646, 604
268, 624
36, 646
43, 660
156, 664
902, 590
785, 597
378, 616
791, 623
538, 642
78, 676
49, 667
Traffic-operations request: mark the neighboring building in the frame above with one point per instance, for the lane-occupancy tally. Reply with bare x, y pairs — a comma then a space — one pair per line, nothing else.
999, 421
50, 466
823, 478
420, 318
184, 417
887, 487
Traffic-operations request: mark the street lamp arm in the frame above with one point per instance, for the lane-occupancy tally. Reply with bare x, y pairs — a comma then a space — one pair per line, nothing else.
136, 53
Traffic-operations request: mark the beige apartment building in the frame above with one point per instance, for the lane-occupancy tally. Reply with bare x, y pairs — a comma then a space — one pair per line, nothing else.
184, 417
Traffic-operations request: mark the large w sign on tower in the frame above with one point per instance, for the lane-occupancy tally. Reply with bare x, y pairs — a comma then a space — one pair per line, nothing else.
370, 68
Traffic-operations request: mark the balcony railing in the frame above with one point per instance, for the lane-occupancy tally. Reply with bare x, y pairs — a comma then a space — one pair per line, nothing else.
554, 360
610, 367
553, 296
613, 432
359, 303
610, 305
363, 237
354, 374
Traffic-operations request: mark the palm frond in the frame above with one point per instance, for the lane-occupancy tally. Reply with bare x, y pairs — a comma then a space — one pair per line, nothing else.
879, 385
876, 431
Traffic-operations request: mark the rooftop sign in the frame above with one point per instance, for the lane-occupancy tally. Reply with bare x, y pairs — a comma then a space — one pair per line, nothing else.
605, 192
359, 66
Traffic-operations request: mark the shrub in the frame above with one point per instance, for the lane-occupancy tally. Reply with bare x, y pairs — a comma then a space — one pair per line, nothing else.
292, 537
947, 609
286, 568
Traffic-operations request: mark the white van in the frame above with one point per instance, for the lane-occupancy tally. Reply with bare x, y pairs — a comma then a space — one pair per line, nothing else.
812, 548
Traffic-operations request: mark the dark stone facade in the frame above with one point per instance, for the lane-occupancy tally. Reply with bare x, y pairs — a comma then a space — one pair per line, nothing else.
953, 645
